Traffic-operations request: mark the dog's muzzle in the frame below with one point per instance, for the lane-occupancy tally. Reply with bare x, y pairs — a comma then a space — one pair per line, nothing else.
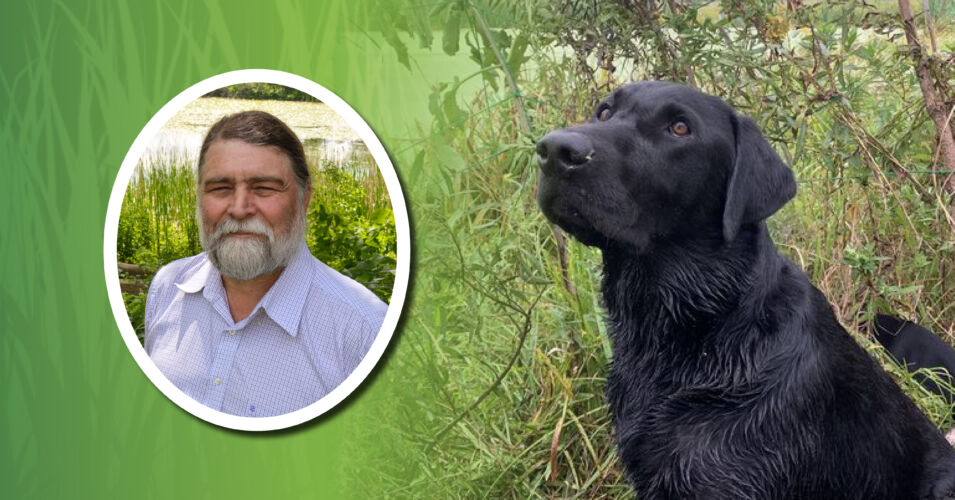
562, 151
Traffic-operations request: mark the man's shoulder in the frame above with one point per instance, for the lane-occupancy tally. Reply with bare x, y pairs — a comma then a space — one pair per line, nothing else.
347, 291
178, 271
163, 290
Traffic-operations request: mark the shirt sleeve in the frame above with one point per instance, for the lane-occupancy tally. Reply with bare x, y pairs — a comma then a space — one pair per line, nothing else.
357, 341
153, 298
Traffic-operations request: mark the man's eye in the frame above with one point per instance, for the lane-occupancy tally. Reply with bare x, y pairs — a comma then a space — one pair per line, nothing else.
604, 114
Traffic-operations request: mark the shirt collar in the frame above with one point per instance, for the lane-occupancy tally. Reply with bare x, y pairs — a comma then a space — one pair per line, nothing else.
283, 302
206, 274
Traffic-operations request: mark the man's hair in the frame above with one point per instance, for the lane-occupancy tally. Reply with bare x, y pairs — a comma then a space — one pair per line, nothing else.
260, 129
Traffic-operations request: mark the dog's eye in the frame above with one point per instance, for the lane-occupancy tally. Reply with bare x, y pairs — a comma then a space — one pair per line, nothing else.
603, 114
679, 129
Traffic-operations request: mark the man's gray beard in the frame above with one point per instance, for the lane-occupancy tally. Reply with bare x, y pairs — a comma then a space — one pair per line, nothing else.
247, 258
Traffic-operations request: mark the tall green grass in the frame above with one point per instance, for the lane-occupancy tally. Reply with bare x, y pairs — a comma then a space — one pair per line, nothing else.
157, 221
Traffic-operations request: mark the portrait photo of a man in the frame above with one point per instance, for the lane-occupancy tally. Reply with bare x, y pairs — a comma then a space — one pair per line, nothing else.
255, 325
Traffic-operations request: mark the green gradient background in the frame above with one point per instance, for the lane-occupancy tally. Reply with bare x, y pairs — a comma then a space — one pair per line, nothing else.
79, 81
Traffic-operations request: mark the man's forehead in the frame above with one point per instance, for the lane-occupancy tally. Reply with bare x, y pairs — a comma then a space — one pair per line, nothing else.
238, 160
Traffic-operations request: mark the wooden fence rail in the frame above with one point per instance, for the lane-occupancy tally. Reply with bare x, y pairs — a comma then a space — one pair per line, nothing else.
134, 286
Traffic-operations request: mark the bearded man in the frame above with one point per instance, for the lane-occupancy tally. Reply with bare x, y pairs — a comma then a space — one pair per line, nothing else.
255, 325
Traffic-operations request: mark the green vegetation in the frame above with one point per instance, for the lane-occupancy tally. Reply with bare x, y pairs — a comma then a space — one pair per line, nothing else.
351, 226
157, 223
515, 356
262, 91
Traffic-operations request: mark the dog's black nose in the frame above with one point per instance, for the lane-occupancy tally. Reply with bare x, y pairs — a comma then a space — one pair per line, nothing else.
562, 150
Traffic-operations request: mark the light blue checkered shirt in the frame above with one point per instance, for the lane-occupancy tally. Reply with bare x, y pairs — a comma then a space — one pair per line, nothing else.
308, 333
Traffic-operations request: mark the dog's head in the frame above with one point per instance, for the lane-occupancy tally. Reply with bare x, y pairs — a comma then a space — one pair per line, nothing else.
660, 162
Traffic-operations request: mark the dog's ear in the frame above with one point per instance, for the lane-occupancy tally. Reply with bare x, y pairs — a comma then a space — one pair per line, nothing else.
759, 184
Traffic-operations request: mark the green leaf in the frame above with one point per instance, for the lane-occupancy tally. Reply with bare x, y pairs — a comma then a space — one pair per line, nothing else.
450, 160
452, 32
391, 36
452, 112
516, 57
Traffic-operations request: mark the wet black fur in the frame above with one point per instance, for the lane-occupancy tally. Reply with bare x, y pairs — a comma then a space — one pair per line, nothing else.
731, 377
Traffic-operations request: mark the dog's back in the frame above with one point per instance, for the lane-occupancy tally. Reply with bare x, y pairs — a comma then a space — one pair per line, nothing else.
872, 427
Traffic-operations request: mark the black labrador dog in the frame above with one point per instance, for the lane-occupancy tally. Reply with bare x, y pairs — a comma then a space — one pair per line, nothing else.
915, 347
731, 376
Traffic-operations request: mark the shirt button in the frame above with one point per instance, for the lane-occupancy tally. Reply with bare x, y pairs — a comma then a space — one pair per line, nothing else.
231, 332
218, 380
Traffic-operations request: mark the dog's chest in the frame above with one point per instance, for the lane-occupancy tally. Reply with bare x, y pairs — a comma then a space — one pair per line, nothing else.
664, 379
638, 387
655, 360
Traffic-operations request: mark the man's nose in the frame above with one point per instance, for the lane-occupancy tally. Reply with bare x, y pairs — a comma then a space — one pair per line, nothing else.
243, 204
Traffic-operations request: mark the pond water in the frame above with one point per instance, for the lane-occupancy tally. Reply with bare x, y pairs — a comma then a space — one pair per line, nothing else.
325, 134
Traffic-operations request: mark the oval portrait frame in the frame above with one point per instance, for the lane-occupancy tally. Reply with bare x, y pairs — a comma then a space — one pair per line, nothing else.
402, 271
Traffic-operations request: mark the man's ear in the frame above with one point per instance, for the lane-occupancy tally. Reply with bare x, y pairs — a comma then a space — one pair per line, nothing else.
759, 183
308, 196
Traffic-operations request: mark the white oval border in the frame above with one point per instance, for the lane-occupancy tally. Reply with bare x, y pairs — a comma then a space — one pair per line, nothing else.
403, 252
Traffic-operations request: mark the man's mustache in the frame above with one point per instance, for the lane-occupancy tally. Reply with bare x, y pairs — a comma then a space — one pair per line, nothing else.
253, 226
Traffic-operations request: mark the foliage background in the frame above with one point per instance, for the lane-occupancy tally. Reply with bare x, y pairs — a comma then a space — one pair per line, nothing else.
507, 328
260, 90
